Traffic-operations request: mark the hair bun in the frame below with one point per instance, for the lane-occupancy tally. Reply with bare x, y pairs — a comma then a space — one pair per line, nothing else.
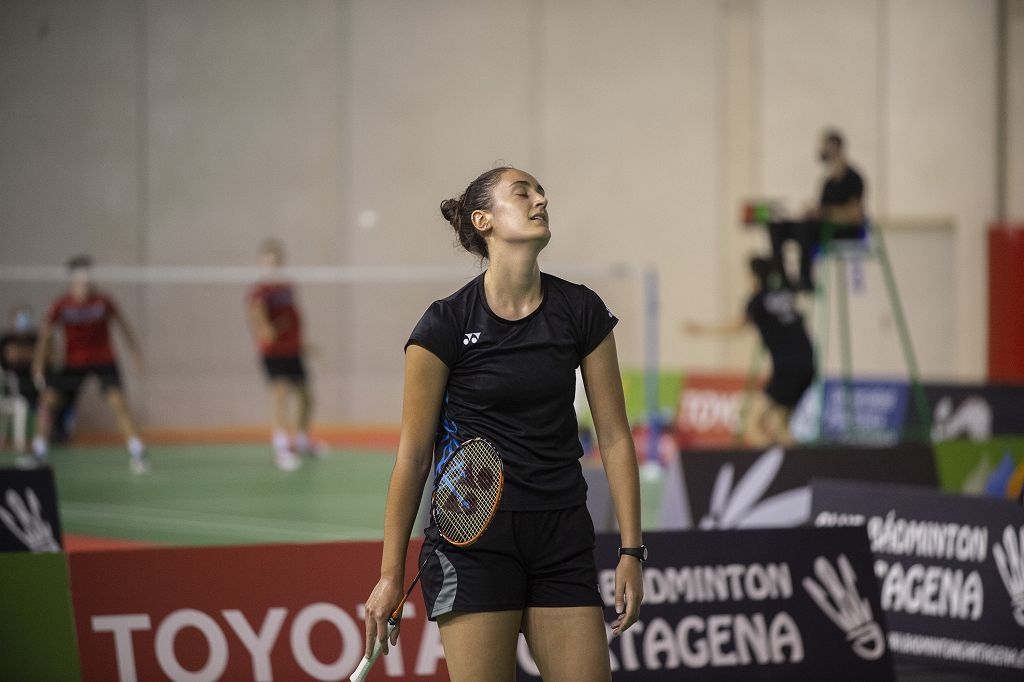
451, 210
459, 212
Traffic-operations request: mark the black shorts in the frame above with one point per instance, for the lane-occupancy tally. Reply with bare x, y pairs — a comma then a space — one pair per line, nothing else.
524, 559
789, 382
290, 368
70, 379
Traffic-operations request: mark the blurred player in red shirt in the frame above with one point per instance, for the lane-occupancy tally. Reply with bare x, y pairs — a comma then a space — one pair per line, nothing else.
277, 326
85, 314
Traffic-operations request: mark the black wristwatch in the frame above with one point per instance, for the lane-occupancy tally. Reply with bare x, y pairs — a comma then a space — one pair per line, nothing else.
638, 552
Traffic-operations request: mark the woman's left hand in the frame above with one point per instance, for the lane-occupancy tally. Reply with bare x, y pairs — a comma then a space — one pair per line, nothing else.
629, 593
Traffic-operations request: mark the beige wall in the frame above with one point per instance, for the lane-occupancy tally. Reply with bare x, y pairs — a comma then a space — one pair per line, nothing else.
1014, 181
181, 133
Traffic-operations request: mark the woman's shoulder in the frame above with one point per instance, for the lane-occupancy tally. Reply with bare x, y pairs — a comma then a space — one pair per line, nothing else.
553, 283
456, 303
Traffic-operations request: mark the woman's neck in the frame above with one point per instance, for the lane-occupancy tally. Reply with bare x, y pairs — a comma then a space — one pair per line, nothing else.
512, 284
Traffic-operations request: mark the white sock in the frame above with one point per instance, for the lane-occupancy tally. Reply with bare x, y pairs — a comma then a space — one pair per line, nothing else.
136, 447
39, 446
302, 441
279, 439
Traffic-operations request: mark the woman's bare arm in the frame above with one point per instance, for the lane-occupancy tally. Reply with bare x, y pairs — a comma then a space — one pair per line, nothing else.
608, 405
425, 379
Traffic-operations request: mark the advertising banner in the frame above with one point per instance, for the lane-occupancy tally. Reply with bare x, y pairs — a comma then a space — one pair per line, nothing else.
281, 612
37, 632
29, 521
709, 410
994, 468
781, 604
751, 489
866, 412
973, 412
950, 569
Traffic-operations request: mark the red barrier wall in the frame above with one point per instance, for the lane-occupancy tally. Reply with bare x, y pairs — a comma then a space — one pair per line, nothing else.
1006, 302
282, 612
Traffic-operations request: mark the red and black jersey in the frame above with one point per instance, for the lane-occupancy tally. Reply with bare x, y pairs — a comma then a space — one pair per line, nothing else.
86, 326
279, 300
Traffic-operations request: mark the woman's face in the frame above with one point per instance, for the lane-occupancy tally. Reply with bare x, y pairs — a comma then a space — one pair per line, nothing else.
518, 213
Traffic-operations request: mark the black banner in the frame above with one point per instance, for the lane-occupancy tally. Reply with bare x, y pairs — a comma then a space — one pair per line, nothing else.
950, 569
751, 489
28, 511
974, 412
779, 604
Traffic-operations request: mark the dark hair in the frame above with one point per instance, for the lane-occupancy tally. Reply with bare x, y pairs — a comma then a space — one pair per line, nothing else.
764, 270
81, 260
459, 212
833, 136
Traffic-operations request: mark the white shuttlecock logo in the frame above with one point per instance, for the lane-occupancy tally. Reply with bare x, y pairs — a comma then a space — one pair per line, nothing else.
1010, 562
25, 521
839, 599
742, 507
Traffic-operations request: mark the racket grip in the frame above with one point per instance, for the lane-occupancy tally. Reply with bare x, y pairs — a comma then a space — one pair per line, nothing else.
363, 669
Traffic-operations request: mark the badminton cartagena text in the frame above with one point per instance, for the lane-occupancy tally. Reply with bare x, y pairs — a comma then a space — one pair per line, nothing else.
467, 489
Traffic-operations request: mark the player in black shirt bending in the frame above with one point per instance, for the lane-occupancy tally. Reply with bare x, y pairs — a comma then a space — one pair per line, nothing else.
497, 360
841, 206
772, 309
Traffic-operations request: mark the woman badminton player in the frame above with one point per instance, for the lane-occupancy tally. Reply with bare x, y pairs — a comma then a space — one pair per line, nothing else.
772, 308
497, 360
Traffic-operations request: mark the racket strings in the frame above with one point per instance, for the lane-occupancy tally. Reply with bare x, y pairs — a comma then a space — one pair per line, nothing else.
467, 492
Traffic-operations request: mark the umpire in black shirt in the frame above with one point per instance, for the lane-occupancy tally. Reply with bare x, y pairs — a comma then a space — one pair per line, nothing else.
841, 208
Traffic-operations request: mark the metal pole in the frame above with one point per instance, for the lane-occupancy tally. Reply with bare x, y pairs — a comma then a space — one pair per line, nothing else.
920, 401
821, 336
845, 352
651, 361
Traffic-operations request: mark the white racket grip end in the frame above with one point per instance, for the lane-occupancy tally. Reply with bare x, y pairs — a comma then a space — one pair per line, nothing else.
363, 669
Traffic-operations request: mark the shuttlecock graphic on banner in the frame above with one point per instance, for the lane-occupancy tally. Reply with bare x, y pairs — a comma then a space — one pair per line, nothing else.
742, 507
1010, 562
839, 599
25, 521
972, 419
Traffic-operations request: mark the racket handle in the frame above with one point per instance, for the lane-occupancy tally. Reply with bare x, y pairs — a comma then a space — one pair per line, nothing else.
364, 666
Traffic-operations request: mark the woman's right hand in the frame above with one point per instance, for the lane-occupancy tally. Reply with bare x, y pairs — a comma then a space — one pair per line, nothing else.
382, 602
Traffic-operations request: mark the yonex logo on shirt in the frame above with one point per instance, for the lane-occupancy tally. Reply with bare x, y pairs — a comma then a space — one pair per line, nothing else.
471, 337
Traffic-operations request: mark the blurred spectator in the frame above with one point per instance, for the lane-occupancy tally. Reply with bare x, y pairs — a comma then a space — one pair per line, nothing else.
17, 348
19, 394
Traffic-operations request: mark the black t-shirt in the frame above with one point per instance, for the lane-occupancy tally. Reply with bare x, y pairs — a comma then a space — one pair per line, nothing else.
840, 191
781, 326
513, 383
26, 339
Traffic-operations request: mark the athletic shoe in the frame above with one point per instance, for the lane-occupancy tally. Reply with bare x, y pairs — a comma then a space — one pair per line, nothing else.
286, 460
139, 465
30, 461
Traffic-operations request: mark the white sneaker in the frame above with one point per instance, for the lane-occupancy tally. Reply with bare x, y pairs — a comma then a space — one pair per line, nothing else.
286, 460
139, 465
